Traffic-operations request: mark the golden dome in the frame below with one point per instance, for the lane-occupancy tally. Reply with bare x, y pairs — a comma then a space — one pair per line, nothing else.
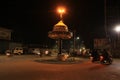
60, 26
60, 31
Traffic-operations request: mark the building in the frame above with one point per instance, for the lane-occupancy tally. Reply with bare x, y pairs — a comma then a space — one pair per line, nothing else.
101, 43
5, 37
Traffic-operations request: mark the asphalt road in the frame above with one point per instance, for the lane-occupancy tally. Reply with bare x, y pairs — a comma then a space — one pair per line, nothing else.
27, 68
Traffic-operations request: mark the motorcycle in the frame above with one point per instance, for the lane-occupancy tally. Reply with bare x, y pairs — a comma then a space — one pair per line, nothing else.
102, 60
94, 59
107, 60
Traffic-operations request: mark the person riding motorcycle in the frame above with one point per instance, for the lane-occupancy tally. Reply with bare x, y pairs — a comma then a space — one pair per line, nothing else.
106, 57
95, 55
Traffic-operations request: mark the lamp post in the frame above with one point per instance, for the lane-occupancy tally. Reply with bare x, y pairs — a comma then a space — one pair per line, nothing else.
117, 42
117, 29
61, 11
60, 31
78, 38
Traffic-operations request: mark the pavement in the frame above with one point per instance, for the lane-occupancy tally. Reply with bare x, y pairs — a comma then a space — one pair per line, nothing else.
32, 67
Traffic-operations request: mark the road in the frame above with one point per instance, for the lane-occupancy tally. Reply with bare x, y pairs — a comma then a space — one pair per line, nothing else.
27, 68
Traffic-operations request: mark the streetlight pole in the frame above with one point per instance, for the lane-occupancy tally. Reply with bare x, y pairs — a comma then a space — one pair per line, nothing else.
78, 38
118, 35
60, 11
74, 41
117, 29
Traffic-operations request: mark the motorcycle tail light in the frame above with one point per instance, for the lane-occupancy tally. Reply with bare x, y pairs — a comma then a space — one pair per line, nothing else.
101, 58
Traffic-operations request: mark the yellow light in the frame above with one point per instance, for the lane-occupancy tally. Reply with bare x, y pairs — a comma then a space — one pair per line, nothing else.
61, 10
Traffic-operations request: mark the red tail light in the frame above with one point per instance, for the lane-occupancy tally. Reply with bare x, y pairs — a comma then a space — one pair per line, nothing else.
101, 58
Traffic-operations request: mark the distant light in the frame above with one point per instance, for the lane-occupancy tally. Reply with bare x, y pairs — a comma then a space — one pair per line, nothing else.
117, 28
78, 38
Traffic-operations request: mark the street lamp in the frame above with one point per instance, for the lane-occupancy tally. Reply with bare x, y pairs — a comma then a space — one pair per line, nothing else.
77, 38
60, 30
117, 29
61, 11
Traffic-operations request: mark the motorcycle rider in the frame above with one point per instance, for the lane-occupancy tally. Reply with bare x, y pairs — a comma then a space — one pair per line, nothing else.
106, 56
95, 55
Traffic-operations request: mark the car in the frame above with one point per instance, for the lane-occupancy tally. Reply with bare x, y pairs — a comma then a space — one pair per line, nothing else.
18, 50
36, 51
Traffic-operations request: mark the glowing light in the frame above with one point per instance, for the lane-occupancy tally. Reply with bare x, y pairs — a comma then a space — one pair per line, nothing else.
117, 28
61, 10
78, 38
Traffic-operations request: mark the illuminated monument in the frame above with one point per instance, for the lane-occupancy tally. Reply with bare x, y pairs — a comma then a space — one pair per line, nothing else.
60, 31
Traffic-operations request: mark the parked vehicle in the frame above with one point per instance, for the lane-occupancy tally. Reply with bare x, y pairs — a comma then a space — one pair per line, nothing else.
36, 51
18, 50
8, 53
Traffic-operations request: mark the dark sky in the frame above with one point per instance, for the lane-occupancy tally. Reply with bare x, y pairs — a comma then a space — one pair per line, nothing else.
31, 20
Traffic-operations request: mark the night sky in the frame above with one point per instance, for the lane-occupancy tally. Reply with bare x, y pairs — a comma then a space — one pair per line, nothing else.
31, 20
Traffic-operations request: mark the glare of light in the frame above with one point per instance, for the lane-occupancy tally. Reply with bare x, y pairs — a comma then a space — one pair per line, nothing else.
78, 38
61, 10
117, 29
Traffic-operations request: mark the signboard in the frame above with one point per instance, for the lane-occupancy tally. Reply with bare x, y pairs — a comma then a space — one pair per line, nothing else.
5, 34
100, 43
